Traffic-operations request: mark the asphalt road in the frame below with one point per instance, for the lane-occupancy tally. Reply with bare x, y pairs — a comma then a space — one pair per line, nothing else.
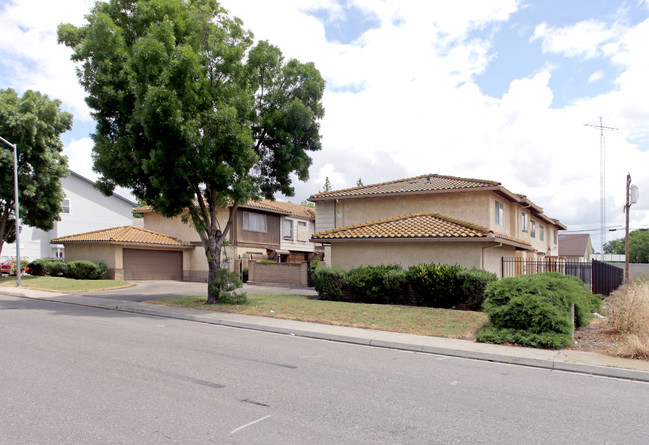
73, 374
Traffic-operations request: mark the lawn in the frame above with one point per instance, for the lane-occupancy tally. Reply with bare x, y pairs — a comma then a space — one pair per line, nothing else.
59, 284
405, 319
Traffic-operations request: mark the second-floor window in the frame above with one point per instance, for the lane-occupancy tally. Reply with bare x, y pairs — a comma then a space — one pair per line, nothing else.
533, 229
288, 229
555, 237
500, 213
254, 221
541, 232
525, 218
66, 206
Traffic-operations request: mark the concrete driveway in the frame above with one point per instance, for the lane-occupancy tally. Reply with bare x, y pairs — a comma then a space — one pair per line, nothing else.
155, 290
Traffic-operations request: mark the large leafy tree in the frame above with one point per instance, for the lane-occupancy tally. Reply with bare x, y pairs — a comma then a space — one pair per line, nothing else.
638, 246
34, 123
190, 114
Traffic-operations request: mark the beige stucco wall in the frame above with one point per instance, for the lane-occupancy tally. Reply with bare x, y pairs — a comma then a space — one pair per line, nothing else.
109, 254
175, 227
467, 254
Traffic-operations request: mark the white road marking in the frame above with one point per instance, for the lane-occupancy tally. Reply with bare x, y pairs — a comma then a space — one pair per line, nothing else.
248, 424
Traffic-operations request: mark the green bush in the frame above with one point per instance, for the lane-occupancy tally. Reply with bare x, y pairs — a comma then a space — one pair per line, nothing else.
330, 282
547, 340
23, 265
37, 267
367, 285
267, 261
57, 269
224, 285
436, 285
86, 270
523, 308
473, 283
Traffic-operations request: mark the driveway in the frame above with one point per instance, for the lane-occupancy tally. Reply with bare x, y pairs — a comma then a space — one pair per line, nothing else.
155, 290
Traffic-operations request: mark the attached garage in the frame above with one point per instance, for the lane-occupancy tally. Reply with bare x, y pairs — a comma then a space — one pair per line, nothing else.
142, 264
130, 253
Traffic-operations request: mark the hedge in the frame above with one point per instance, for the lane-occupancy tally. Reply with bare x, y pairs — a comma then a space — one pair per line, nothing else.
436, 285
330, 282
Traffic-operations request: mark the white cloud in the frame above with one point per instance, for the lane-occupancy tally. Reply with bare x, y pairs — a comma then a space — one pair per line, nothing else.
597, 75
585, 39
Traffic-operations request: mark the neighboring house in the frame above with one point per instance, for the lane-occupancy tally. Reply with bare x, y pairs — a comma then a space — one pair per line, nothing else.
575, 246
84, 209
173, 246
432, 219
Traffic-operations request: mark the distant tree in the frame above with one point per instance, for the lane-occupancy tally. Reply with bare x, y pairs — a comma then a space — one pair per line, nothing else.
638, 246
307, 203
34, 123
359, 183
190, 114
327, 185
615, 247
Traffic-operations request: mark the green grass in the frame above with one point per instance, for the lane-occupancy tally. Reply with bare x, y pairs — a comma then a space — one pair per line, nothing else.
59, 284
405, 319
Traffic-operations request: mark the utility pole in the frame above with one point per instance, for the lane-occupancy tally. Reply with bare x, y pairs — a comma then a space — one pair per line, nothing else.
631, 198
16, 210
602, 179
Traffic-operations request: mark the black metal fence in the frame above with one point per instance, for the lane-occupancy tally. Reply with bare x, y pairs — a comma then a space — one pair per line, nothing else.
601, 278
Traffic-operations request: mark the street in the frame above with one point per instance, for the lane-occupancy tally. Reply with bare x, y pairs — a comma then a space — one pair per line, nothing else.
73, 374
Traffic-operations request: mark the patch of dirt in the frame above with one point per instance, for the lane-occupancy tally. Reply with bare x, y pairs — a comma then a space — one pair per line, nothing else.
593, 338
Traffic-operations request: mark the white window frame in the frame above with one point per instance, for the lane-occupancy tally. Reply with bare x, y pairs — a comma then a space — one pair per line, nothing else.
255, 222
533, 229
541, 232
525, 222
500, 213
65, 208
288, 234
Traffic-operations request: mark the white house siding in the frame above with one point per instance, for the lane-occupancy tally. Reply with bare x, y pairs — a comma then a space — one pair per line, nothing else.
89, 210
299, 242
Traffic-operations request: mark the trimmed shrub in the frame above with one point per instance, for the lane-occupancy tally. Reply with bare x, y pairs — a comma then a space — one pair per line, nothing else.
23, 265
436, 285
224, 285
526, 309
330, 282
86, 270
473, 283
37, 267
368, 284
57, 269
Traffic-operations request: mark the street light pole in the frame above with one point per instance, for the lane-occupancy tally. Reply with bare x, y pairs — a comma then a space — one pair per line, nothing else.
17, 222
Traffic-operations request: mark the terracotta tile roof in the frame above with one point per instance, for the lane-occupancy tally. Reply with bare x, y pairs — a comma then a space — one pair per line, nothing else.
286, 208
417, 226
423, 183
123, 235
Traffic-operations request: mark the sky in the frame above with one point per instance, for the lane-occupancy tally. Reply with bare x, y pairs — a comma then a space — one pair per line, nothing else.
504, 90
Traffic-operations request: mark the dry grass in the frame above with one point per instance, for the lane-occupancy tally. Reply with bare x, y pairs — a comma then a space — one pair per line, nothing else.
628, 320
405, 319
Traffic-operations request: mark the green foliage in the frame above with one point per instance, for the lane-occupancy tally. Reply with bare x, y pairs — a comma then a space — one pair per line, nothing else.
377, 284
615, 246
546, 340
473, 285
56, 269
23, 266
638, 246
190, 115
224, 285
537, 305
436, 285
86, 270
267, 261
34, 123
330, 282
37, 267
245, 273
327, 185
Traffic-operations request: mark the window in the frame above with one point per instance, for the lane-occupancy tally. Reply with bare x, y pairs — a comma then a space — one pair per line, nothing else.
302, 234
66, 206
254, 221
524, 221
288, 229
541, 232
533, 229
555, 237
500, 213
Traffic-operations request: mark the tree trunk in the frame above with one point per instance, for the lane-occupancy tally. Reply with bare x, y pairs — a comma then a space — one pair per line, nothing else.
213, 246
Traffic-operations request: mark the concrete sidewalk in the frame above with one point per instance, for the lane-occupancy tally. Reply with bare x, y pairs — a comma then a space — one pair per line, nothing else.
565, 360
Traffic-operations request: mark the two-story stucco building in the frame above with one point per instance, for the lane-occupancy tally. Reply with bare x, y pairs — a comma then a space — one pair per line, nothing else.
432, 219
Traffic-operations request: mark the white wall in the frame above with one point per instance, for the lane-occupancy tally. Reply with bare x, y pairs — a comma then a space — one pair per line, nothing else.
89, 210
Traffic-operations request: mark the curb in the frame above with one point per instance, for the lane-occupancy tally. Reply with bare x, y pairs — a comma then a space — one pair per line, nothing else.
175, 313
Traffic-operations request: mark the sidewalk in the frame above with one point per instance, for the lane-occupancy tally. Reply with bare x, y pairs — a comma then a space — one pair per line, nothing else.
565, 360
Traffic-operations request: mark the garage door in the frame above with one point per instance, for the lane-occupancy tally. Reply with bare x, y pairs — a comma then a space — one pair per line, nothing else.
152, 265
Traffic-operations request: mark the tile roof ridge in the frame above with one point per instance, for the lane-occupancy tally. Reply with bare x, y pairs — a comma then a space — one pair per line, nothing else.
461, 222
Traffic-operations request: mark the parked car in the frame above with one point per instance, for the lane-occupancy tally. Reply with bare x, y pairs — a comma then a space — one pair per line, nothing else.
5, 267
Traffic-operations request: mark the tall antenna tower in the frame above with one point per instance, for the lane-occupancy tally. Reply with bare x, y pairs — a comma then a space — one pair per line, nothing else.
602, 178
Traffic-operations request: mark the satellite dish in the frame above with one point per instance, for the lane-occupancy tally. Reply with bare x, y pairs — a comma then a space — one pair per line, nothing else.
634, 194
